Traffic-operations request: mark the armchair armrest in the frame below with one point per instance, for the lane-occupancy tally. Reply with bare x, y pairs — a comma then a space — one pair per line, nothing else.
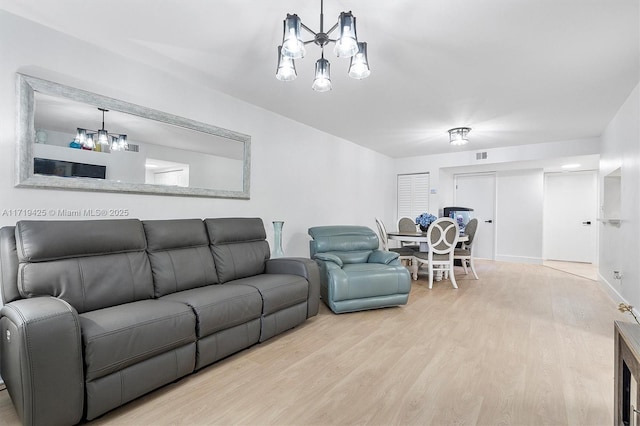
303, 267
385, 257
328, 257
41, 360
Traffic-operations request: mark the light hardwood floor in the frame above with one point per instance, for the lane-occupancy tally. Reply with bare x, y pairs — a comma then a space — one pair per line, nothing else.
524, 345
585, 270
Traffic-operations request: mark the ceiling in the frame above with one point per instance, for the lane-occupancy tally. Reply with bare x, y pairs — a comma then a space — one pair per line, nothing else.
515, 71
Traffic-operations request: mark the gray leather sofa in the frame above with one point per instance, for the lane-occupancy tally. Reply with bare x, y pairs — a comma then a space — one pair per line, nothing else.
99, 312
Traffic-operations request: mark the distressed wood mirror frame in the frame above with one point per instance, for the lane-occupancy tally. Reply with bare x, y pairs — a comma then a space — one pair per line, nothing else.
27, 86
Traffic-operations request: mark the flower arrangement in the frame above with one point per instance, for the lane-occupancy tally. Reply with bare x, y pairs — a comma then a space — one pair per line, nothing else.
623, 307
424, 220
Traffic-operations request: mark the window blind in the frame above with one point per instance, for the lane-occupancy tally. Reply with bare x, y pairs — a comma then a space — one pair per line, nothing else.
413, 194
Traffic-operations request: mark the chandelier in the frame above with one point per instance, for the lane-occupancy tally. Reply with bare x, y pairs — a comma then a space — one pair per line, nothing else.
346, 46
459, 135
101, 139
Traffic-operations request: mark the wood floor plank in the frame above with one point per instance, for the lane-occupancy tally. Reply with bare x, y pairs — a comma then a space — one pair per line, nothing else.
523, 345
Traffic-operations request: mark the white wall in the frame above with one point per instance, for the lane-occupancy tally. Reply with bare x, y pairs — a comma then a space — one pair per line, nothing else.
620, 246
299, 175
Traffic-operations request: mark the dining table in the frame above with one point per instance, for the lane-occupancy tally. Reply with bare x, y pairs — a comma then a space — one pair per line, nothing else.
417, 237
421, 238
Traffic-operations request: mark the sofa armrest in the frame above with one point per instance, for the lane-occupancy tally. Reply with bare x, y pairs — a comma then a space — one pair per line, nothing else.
385, 257
41, 360
303, 267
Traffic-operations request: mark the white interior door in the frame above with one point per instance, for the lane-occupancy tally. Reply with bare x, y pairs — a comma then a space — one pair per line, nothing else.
569, 222
478, 191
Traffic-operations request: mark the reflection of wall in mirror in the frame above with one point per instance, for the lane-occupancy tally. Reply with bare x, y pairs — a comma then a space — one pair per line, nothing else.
120, 166
173, 174
204, 170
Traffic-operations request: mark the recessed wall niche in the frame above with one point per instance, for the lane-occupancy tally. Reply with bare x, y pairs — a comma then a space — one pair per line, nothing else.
611, 200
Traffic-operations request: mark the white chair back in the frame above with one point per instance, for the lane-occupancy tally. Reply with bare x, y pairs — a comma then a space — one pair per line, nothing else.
383, 235
443, 235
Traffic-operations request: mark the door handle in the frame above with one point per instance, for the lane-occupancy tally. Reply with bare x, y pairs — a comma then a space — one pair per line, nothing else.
588, 222
488, 221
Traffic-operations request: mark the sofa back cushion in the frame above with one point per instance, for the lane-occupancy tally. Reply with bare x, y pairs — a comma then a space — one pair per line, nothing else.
90, 264
179, 254
239, 247
352, 244
9, 264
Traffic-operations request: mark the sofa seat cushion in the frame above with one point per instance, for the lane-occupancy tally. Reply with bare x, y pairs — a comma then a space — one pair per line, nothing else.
371, 280
219, 307
278, 291
123, 335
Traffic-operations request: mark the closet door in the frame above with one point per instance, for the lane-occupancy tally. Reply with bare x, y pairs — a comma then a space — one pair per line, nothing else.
478, 191
570, 208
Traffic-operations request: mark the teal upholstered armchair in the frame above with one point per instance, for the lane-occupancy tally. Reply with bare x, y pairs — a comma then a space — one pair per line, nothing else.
354, 274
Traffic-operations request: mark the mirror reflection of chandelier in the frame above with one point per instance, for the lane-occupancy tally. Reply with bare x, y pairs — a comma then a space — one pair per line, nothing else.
346, 46
91, 139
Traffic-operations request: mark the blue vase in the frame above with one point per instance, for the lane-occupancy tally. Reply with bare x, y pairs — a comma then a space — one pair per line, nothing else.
277, 239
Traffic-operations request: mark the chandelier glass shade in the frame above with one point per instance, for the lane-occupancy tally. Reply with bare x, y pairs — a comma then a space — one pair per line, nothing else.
292, 44
286, 67
459, 135
359, 66
347, 43
322, 81
346, 46
89, 139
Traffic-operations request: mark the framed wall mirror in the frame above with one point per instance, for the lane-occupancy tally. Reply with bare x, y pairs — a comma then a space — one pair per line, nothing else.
72, 139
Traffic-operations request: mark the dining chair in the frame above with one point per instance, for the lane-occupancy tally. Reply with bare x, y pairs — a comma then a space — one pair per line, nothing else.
406, 253
406, 224
443, 236
465, 252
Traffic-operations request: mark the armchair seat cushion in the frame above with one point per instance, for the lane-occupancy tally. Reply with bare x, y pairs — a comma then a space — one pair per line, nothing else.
124, 335
371, 280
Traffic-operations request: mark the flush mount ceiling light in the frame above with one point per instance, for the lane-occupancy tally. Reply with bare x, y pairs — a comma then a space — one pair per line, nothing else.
346, 46
570, 166
458, 135
85, 137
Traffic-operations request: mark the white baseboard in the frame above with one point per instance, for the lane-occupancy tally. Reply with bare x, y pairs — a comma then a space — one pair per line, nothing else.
610, 290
